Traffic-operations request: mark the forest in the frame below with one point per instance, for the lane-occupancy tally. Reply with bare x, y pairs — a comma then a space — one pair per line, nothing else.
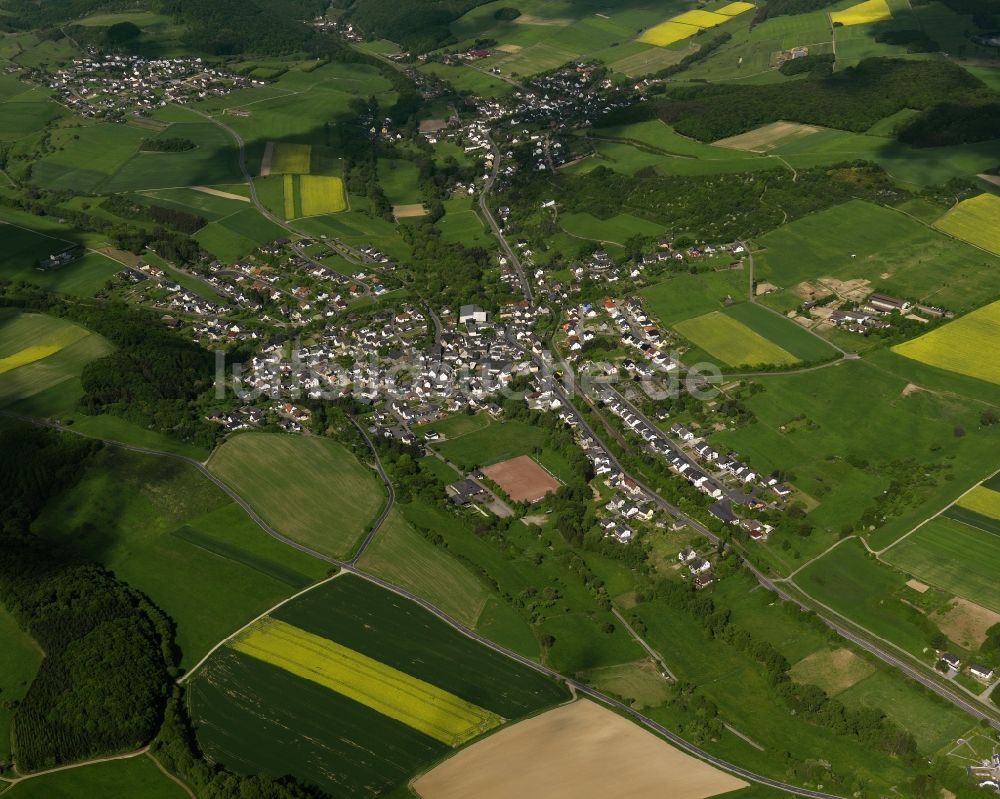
852, 99
417, 25
105, 644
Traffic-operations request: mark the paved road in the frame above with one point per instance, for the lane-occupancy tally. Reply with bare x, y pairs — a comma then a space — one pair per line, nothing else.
515, 262
351, 568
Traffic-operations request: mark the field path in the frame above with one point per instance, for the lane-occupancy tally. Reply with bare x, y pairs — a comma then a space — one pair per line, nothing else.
69, 766
170, 776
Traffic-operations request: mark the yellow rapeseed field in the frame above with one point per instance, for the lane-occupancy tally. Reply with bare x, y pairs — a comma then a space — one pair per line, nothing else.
966, 346
982, 500
51, 344
863, 13
321, 195
733, 9
291, 158
393, 693
685, 25
667, 33
289, 196
976, 220
700, 19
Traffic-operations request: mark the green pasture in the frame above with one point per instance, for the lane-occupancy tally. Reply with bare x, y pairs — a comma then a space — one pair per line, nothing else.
25, 115
208, 206
461, 223
87, 156
686, 295
952, 555
311, 489
615, 230
171, 533
897, 253
398, 179
575, 647
238, 234
134, 778
457, 424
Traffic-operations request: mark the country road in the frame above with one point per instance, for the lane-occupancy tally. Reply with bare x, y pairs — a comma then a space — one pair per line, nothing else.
350, 568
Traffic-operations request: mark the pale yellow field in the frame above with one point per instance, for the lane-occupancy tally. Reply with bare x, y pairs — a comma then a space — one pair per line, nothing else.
287, 158
863, 13
966, 623
409, 210
833, 671
289, 196
49, 346
976, 220
667, 33
700, 19
577, 751
321, 195
733, 9
767, 137
418, 704
967, 346
982, 500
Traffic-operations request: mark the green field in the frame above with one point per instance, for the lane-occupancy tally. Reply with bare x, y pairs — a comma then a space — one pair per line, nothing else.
398, 179
405, 558
685, 295
238, 235
34, 368
498, 442
868, 593
135, 778
786, 334
19, 661
959, 346
976, 220
897, 254
24, 248
954, 556
311, 489
829, 436
616, 230
209, 206
286, 724
178, 538
731, 341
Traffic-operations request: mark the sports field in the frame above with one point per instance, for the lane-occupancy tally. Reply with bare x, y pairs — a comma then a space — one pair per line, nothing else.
522, 479
954, 556
976, 220
580, 751
862, 13
731, 341
386, 690
959, 346
311, 489
289, 158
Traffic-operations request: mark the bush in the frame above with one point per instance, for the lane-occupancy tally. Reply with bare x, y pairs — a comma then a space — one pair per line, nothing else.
507, 13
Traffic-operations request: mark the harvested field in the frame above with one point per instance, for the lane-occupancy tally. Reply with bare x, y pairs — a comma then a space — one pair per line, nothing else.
577, 751
409, 210
994, 179
509, 48
768, 137
522, 479
532, 19
863, 13
265, 161
976, 220
919, 587
959, 346
834, 671
966, 623
434, 125
218, 193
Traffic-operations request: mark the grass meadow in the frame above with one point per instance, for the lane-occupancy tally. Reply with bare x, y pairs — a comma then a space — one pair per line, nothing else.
952, 555
311, 489
684, 295
896, 253
734, 343
175, 536
405, 558
135, 778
